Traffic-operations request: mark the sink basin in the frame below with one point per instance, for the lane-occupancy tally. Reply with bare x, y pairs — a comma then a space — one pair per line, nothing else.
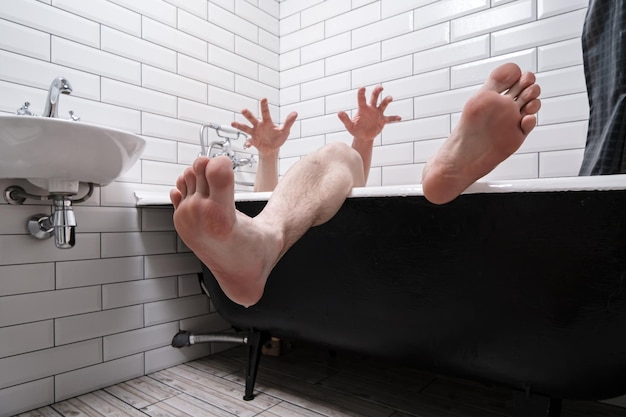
56, 154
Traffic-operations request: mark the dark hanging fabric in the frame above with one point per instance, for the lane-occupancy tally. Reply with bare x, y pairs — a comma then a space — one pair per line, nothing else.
604, 56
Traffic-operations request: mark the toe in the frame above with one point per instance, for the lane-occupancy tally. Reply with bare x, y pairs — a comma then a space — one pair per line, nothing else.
528, 123
519, 88
220, 177
199, 168
189, 180
175, 197
502, 78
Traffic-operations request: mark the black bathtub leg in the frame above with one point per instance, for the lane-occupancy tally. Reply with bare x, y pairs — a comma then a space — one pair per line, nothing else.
256, 339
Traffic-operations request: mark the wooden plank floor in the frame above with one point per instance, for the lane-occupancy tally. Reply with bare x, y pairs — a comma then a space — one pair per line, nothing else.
304, 382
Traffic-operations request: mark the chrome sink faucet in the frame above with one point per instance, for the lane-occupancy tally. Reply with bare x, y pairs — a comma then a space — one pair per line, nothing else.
59, 86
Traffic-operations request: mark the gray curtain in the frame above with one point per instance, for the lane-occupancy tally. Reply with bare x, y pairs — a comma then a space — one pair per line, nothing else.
604, 56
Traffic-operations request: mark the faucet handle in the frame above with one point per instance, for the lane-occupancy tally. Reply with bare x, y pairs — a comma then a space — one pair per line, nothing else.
24, 111
73, 116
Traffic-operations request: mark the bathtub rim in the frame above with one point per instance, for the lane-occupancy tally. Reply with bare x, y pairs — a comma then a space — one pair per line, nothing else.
562, 184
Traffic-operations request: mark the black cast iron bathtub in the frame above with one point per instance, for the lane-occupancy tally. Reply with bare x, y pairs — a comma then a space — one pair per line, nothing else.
516, 283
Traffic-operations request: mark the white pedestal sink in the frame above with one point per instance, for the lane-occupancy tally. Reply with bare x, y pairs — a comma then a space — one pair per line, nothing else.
56, 154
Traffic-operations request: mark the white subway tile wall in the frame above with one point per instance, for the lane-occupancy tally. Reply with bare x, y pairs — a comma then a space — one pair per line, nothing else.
72, 321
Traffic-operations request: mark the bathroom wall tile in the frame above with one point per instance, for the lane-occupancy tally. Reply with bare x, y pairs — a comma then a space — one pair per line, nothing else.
256, 89
25, 397
560, 54
138, 292
271, 7
133, 174
168, 356
207, 73
302, 37
563, 163
176, 309
256, 53
542, 32
188, 285
17, 309
382, 72
49, 19
417, 85
321, 125
44, 363
13, 97
201, 114
231, 22
160, 172
424, 149
269, 41
289, 60
289, 24
269, 77
173, 84
21, 279
110, 219
402, 174
570, 80
301, 147
232, 62
163, 150
388, 30
137, 49
325, 48
128, 95
169, 265
393, 7
257, 16
76, 55
351, 20
305, 109
475, 73
98, 324
26, 338
102, 114
561, 109
105, 13
323, 11
24, 40
326, 86
197, 7
289, 8
355, 58
102, 375
202, 29
14, 217
453, 54
556, 137
137, 243
140, 340
343, 100
420, 129
36, 73
225, 4
157, 10
169, 128
98, 271
419, 40
229, 100
518, 166
491, 20
396, 154
442, 103
285, 163
174, 39
549, 8
23, 250
446, 10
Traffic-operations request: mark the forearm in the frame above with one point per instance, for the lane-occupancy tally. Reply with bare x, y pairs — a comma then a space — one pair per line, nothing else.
267, 172
364, 147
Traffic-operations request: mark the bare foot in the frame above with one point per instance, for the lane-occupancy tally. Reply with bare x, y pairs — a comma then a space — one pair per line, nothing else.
493, 125
239, 251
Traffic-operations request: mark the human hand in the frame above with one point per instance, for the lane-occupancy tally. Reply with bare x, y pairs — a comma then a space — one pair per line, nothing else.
266, 136
369, 119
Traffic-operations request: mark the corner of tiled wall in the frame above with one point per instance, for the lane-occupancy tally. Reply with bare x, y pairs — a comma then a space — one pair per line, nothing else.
105, 311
